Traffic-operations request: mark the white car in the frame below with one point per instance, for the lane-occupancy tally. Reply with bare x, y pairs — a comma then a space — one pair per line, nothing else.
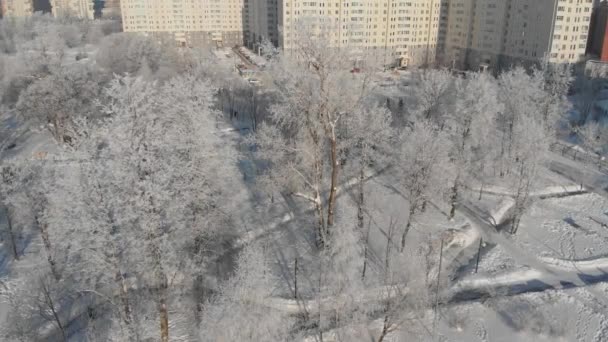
254, 81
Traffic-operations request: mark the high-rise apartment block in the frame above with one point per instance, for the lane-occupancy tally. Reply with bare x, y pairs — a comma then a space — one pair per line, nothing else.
401, 31
465, 34
190, 22
110, 9
17, 8
499, 33
597, 47
72, 8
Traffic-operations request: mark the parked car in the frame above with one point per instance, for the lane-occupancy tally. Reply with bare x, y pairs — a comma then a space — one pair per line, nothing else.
254, 81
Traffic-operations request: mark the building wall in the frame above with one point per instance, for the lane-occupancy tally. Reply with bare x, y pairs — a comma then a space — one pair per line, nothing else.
73, 8
597, 46
396, 30
18, 8
111, 9
213, 22
261, 21
501, 33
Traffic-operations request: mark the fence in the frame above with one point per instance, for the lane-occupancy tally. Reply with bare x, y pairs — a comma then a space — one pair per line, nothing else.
576, 153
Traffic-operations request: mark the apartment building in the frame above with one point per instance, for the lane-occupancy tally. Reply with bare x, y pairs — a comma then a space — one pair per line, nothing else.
597, 46
398, 31
500, 33
17, 8
110, 9
190, 22
72, 8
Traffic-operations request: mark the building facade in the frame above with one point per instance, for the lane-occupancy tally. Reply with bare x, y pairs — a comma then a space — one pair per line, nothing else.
110, 9
190, 22
17, 8
73, 8
404, 32
500, 33
464, 34
597, 47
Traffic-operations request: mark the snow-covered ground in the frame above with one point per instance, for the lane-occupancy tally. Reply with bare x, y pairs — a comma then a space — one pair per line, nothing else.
574, 227
563, 315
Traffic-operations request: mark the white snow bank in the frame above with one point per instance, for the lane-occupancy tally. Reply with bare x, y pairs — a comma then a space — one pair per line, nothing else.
294, 307
557, 272
550, 191
500, 214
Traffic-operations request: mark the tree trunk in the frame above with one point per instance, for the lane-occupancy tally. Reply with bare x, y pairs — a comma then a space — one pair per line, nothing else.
44, 233
514, 226
453, 198
164, 319
11, 234
365, 247
51, 306
385, 327
335, 169
321, 226
408, 226
361, 202
124, 298
295, 279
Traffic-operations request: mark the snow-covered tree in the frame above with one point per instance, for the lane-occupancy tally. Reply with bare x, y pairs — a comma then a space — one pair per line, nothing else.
475, 112
594, 136
530, 148
56, 100
10, 188
147, 194
422, 160
433, 94
303, 141
238, 313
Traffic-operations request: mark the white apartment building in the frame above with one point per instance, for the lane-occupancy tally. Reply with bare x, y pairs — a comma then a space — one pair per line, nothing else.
16, 8
467, 34
190, 22
500, 33
399, 31
72, 8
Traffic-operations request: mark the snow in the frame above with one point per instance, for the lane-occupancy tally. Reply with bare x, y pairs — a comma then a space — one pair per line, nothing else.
501, 213
566, 228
